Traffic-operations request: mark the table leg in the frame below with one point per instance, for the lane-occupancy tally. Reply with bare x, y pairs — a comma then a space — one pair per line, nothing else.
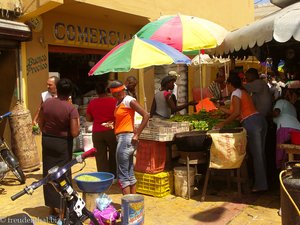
188, 175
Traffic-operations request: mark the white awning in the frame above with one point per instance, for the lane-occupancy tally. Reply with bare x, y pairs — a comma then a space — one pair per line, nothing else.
207, 60
12, 30
280, 26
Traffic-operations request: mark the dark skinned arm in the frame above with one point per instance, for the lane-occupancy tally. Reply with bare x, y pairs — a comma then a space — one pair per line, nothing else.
236, 103
89, 117
175, 108
153, 108
74, 127
139, 109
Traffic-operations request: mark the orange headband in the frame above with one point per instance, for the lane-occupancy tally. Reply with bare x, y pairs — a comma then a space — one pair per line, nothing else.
117, 89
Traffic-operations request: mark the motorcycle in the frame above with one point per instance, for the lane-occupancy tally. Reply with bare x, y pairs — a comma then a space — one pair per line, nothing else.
8, 161
73, 209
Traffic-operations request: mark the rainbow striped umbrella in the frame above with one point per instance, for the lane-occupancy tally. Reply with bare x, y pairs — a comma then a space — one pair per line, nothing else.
185, 33
138, 53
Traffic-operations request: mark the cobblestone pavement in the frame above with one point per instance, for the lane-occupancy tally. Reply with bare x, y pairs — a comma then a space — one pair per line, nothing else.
221, 206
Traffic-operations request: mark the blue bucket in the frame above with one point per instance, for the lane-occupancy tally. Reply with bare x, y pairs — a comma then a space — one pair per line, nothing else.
132, 209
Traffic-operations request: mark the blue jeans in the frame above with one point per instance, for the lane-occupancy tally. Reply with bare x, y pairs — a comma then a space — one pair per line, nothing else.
256, 127
124, 158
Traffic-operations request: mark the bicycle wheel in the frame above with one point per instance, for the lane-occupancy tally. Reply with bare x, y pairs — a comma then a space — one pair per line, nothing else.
17, 171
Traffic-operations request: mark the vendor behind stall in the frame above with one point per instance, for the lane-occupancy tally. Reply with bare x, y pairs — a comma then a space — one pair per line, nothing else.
217, 88
163, 105
259, 91
242, 108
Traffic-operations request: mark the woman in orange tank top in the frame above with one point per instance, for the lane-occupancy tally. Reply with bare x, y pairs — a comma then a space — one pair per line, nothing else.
242, 108
127, 135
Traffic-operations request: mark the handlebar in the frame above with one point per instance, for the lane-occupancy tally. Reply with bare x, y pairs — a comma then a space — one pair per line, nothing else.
18, 195
5, 115
56, 174
89, 153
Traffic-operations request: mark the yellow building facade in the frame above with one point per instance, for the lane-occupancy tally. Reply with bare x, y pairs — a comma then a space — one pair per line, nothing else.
93, 27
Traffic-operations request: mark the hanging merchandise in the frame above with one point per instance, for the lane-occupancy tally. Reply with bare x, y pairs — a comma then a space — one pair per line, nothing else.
280, 66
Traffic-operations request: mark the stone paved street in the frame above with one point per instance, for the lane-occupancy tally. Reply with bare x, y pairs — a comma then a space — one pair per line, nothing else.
221, 206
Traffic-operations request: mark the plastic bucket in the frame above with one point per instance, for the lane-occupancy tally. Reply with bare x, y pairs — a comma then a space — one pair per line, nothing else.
180, 181
87, 141
132, 209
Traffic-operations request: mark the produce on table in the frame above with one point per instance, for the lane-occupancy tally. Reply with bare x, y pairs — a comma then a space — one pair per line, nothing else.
88, 178
204, 120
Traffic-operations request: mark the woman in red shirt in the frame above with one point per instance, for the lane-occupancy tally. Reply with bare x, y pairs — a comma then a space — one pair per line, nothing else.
101, 112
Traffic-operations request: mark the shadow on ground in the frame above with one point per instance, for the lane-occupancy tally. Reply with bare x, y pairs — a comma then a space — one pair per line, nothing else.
40, 212
10, 181
36, 176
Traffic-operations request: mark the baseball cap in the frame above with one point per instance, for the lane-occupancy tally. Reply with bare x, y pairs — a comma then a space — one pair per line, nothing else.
173, 73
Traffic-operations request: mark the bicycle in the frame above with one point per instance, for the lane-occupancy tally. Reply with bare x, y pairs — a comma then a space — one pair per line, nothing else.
73, 210
9, 160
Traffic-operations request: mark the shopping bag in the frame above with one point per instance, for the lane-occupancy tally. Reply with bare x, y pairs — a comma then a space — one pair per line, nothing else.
228, 149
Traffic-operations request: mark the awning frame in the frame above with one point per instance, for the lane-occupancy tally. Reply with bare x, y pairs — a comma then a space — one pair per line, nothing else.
11, 30
281, 26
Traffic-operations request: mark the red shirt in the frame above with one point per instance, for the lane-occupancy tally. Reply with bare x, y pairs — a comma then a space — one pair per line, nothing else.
101, 110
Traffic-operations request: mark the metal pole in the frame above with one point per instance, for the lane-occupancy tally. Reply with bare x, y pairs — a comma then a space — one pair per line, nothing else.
19, 76
200, 78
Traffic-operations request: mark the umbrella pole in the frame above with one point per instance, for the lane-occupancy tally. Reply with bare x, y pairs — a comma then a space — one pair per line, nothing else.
142, 88
200, 78
226, 76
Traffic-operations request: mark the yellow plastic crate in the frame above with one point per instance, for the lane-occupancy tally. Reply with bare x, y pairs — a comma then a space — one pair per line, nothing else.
157, 185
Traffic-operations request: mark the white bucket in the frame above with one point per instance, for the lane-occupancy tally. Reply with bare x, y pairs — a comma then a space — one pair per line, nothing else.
180, 180
87, 141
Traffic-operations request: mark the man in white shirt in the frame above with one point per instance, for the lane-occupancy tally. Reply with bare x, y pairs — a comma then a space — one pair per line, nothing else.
50, 93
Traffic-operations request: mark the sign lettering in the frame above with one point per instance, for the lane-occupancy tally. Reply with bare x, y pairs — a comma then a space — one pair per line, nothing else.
88, 35
36, 64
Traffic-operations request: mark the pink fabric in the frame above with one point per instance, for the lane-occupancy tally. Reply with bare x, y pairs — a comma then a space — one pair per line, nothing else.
170, 33
282, 136
106, 217
166, 94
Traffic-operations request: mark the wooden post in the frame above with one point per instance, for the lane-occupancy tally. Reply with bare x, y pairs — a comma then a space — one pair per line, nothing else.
142, 96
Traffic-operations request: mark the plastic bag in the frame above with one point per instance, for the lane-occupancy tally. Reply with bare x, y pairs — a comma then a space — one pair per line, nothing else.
106, 217
103, 201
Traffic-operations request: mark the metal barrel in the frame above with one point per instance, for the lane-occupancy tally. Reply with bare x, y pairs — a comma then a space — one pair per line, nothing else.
22, 140
132, 209
289, 198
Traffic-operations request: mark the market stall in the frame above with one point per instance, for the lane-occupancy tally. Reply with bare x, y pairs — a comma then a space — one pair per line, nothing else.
189, 136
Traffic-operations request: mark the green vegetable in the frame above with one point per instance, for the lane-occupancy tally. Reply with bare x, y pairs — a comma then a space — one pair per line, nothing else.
200, 125
204, 120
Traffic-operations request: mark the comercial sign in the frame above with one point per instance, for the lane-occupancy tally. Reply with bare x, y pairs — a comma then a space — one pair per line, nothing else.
85, 35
